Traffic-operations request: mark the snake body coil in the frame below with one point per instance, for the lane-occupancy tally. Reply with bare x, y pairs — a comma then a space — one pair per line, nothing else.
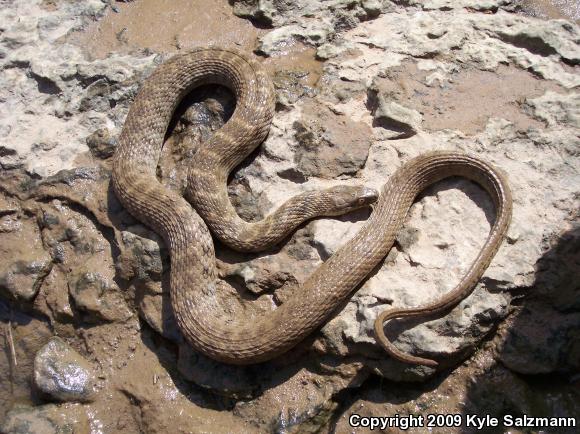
200, 317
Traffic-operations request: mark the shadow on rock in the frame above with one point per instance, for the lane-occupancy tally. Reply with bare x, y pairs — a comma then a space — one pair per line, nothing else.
539, 352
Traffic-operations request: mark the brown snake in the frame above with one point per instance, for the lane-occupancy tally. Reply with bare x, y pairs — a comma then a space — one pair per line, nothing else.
201, 318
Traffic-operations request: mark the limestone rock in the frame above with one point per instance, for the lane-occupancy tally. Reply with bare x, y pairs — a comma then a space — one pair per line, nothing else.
141, 255
554, 108
313, 23
330, 145
278, 13
311, 33
558, 38
62, 373
542, 336
477, 5
404, 122
263, 11
58, 98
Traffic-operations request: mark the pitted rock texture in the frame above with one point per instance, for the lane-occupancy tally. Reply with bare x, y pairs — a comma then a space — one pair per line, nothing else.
58, 98
279, 13
329, 145
392, 80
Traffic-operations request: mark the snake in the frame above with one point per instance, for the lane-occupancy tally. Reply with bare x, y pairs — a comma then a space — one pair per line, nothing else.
184, 220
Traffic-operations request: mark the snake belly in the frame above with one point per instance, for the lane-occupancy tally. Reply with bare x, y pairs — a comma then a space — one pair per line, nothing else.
193, 286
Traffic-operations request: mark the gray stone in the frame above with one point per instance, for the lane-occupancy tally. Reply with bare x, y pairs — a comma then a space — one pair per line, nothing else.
102, 143
21, 280
58, 98
403, 121
330, 145
46, 419
259, 10
478, 5
309, 414
556, 108
311, 33
141, 255
97, 297
62, 373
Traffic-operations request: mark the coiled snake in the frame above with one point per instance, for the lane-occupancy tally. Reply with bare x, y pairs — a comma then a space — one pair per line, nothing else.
193, 270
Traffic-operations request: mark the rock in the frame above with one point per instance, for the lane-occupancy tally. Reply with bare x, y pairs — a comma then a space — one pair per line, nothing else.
444, 61
373, 8
459, 34
97, 297
404, 122
280, 13
263, 11
248, 204
476, 5
101, 143
307, 396
46, 419
541, 337
141, 255
290, 87
542, 341
27, 263
554, 108
60, 97
234, 381
22, 280
262, 275
310, 33
558, 38
330, 145
313, 23
62, 373
53, 299
481, 386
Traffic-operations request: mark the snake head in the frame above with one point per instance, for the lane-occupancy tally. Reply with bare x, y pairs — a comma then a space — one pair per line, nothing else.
346, 198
